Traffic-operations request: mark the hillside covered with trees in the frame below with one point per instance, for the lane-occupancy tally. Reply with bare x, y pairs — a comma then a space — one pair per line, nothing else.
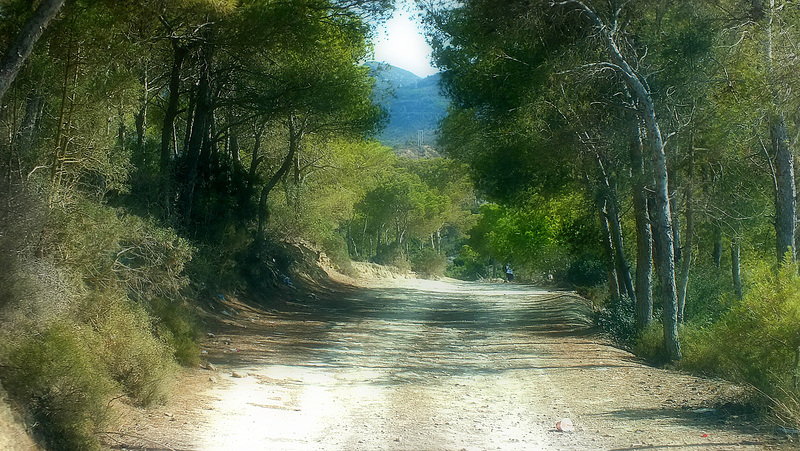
414, 104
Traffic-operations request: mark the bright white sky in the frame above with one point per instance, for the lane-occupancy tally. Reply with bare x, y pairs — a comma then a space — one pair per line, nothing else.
401, 43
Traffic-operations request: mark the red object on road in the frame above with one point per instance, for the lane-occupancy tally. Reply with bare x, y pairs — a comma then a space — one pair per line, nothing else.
565, 425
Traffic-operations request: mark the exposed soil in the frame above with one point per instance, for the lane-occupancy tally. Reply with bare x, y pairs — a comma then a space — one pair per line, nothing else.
13, 435
420, 365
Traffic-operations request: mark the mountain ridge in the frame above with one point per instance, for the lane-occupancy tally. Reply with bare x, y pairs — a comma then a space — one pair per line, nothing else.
415, 106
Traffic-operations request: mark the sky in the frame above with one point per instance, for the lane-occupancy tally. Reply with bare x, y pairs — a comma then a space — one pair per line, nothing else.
401, 43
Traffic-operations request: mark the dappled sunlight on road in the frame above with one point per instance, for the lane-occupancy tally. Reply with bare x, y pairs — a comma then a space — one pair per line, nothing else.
436, 366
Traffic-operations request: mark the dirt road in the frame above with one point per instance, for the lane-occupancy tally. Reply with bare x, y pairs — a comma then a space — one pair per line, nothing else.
434, 366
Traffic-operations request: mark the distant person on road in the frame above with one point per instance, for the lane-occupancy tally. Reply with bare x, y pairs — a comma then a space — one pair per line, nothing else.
509, 273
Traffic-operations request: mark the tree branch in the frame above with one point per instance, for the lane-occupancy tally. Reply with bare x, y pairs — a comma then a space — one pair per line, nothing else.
22, 46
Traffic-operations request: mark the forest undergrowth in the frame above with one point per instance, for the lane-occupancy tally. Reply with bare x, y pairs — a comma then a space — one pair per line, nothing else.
94, 306
752, 342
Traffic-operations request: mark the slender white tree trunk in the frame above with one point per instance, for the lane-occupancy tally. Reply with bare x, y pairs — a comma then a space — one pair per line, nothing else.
661, 216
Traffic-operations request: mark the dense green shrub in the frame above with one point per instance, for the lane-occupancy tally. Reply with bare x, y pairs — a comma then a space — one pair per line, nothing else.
429, 263
701, 352
585, 272
218, 265
617, 318
118, 255
393, 255
93, 308
336, 250
141, 363
468, 265
755, 342
649, 343
709, 293
108, 247
60, 377
764, 327
176, 324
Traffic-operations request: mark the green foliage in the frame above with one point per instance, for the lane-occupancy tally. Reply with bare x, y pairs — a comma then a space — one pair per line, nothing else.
428, 263
216, 266
649, 343
177, 326
177, 114
702, 353
86, 320
393, 255
468, 265
764, 326
411, 205
336, 249
61, 379
324, 199
709, 295
586, 273
543, 237
137, 360
113, 249
617, 318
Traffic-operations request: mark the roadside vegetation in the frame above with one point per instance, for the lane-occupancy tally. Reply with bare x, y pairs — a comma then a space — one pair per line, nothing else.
157, 154
154, 154
644, 154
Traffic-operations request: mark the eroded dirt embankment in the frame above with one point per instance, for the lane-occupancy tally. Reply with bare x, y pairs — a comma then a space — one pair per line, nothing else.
413, 364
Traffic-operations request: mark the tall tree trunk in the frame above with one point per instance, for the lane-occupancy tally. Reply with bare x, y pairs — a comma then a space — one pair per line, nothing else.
140, 118
235, 154
364, 251
140, 153
28, 133
785, 192
23, 44
197, 139
65, 116
661, 215
735, 268
608, 245
683, 281
662, 235
672, 182
10, 143
716, 256
171, 112
644, 238
245, 194
295, 137
623, 268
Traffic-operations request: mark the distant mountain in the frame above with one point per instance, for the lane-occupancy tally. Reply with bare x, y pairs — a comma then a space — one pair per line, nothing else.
415, 105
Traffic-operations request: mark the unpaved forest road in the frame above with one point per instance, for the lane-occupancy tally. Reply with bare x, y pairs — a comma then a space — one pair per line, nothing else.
434, 366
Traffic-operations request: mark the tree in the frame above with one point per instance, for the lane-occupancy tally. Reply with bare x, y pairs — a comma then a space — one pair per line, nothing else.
661, 215
22, 46
316, 83
773, 36
533, 48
